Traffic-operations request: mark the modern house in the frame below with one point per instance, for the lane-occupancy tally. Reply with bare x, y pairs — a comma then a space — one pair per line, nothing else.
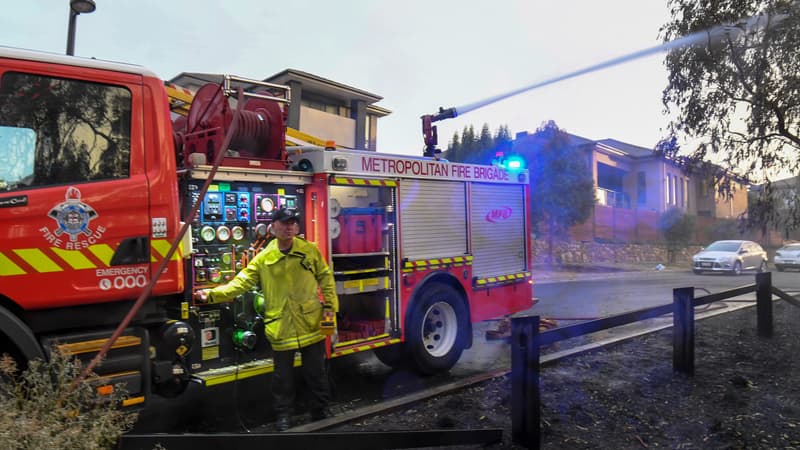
320, 107
634, 185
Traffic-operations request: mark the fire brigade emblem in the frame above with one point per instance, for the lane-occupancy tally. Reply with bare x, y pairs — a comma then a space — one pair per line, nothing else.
73, 216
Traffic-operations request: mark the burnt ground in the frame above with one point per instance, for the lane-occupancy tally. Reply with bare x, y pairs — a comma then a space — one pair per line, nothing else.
745, 394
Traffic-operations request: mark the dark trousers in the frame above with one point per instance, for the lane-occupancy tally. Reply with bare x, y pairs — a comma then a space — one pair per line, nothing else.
314, 373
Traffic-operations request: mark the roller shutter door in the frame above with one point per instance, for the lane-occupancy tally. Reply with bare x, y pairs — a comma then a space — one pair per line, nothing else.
433, 219
498, 229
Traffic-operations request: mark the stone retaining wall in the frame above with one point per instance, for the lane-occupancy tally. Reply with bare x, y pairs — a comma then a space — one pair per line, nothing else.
565, 252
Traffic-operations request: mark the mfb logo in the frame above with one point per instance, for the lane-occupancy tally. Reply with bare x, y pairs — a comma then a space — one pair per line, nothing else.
499, 214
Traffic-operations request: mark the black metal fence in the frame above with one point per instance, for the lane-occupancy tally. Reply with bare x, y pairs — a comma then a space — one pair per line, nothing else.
526, 340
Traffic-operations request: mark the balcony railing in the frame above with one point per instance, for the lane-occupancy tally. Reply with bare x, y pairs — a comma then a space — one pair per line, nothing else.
617, 199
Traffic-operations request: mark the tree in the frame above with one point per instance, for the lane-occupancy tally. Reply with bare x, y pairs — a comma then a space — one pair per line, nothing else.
473, 149
678, 229
739, 96
562, 189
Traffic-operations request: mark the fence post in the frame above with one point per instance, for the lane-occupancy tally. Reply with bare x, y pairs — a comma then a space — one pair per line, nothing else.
764, 303
525, 402
683, 330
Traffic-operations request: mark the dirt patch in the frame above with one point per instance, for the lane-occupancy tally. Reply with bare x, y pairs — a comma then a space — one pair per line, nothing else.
745, 394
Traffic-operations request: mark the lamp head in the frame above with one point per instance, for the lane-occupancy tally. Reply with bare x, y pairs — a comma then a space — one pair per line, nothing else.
82, 6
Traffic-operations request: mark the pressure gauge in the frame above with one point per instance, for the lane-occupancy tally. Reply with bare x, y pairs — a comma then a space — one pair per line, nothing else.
223, 233
226, 259
261, 230
238, 233
207, 233
334, 228
267, 204
335, 208
215, 276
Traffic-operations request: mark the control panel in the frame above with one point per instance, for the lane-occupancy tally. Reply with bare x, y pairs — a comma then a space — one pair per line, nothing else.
232, 225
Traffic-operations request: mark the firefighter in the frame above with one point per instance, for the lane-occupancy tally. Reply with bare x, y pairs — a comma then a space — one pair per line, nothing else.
290, 272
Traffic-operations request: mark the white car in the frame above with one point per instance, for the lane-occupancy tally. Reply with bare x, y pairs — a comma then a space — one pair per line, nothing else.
730, 256
787, 257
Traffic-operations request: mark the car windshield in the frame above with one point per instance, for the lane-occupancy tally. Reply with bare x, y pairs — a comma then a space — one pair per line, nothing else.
792, 247
723, 247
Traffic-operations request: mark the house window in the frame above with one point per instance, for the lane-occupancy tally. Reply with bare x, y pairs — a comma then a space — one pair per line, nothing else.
641, 188
704, 188
327, 105
680, 191
671, 190
688, 197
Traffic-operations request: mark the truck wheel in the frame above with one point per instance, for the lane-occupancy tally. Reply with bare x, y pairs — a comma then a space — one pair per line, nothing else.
394, 356
437, 325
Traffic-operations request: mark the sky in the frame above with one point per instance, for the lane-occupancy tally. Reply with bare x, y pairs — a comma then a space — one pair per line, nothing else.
418, 55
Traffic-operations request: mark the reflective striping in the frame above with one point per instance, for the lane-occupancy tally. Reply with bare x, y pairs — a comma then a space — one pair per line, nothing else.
38, 260
500, 279
232, 373
366, 347
95, 345
75, 258
103, 252
7, 267
162, 247
362, 181
133, 401
65, 260
426, 264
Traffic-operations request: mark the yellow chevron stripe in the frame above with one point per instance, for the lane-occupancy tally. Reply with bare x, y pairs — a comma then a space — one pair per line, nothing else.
502, 278
162, 247
103, 252
7, 267
350, 351
364, 182
75, 258
38, 260
434, 263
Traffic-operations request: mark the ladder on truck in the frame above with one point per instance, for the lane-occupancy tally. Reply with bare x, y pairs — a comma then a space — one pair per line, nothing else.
180, 101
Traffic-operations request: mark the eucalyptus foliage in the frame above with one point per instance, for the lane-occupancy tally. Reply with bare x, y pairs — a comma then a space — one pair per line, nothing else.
736, 98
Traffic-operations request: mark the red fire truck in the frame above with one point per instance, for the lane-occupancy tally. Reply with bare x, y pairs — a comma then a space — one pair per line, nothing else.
99, 177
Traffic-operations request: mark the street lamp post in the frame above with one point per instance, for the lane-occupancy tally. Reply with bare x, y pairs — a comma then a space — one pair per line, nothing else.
76, 7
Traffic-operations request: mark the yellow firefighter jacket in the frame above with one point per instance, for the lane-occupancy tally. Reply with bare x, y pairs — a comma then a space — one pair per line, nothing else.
290, 285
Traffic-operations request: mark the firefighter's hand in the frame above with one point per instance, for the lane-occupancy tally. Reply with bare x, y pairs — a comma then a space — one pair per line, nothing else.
201, 295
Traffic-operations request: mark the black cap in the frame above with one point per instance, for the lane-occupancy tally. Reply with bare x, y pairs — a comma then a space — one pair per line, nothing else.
285, 215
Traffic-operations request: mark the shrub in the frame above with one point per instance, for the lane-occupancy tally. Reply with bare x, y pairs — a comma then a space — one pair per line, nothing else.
678, 229
43, 408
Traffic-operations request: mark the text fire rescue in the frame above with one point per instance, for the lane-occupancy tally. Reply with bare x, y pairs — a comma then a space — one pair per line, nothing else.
432, 168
